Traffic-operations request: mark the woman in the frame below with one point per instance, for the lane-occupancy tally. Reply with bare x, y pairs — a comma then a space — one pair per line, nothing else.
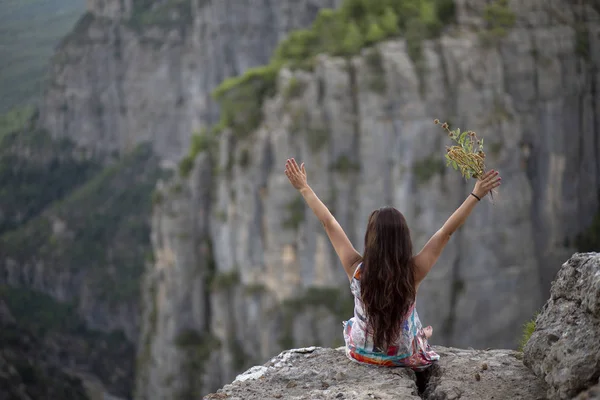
385, 329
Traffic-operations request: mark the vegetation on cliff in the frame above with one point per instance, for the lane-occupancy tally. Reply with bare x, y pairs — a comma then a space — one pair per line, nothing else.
166, 14
24, 374
35, 170
340, 32
101, 228
61, 338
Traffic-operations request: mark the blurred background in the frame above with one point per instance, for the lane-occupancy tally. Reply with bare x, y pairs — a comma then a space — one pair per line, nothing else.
150, 244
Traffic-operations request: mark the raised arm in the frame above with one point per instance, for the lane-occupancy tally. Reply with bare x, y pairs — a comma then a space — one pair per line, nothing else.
432, 250
344, 249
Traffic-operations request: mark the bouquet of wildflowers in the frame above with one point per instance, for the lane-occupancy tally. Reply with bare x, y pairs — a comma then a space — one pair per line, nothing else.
468, 156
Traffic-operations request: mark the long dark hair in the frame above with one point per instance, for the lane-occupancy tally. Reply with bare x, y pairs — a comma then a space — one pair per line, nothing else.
387, 279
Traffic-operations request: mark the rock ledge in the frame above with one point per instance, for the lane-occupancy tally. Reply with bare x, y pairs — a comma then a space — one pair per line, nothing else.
321, 373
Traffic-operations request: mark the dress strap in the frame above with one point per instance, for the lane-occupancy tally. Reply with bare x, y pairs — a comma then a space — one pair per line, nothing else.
357, 271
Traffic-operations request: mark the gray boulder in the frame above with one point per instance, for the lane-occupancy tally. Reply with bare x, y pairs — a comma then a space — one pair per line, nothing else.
564, 349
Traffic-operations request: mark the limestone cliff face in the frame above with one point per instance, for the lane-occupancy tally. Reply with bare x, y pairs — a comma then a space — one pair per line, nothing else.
365, 130
134, 71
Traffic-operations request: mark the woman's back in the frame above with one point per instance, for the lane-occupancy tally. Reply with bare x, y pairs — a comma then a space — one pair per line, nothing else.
411, 348
386, 278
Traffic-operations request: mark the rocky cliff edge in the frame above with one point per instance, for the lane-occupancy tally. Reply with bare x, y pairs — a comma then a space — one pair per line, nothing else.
561, 360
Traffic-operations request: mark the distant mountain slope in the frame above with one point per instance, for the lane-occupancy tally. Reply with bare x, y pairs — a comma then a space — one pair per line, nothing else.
29, 30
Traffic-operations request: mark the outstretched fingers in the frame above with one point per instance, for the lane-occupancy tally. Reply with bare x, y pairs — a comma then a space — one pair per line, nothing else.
295, 166
492, 179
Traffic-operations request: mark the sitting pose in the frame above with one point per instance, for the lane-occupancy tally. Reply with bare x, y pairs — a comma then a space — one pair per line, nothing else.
386, 329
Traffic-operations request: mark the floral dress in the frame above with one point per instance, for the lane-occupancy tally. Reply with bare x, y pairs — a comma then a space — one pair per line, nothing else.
410, 350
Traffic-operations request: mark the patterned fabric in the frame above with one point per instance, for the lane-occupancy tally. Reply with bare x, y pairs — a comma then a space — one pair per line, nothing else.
411, 350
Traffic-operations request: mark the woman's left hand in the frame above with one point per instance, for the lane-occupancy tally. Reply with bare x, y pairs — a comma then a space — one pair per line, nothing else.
296, 175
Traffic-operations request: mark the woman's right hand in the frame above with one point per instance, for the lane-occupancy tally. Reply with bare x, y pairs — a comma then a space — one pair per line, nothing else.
487, 182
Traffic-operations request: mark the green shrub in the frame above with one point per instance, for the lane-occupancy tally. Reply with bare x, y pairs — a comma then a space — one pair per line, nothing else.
374, 61
427, 168
294, 89
296, 213
241, 98
166, 14
317, 138
345, 165
245, 159
375, 33
202, 141
225, 280
446, 11
499, 18
337, 301
254, 289
15, 120
196, 348
528, 330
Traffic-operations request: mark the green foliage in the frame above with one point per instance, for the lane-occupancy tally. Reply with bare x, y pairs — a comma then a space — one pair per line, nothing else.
29, 33
345, 165
374, 60
239, 357
294, 89
26, 370
337, 301
244, 159
296, 213
157, 198
427, 168
389, 22
254, 289
344, 31
589, 239
40, 313
225, 280
375, 33
340, 32
16, 120
105, 229
499, 18
202, 141
56, 325
317, 138
196, 348
241, 98
528, 330
446, 11
166, 14
221, 215
35, 171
